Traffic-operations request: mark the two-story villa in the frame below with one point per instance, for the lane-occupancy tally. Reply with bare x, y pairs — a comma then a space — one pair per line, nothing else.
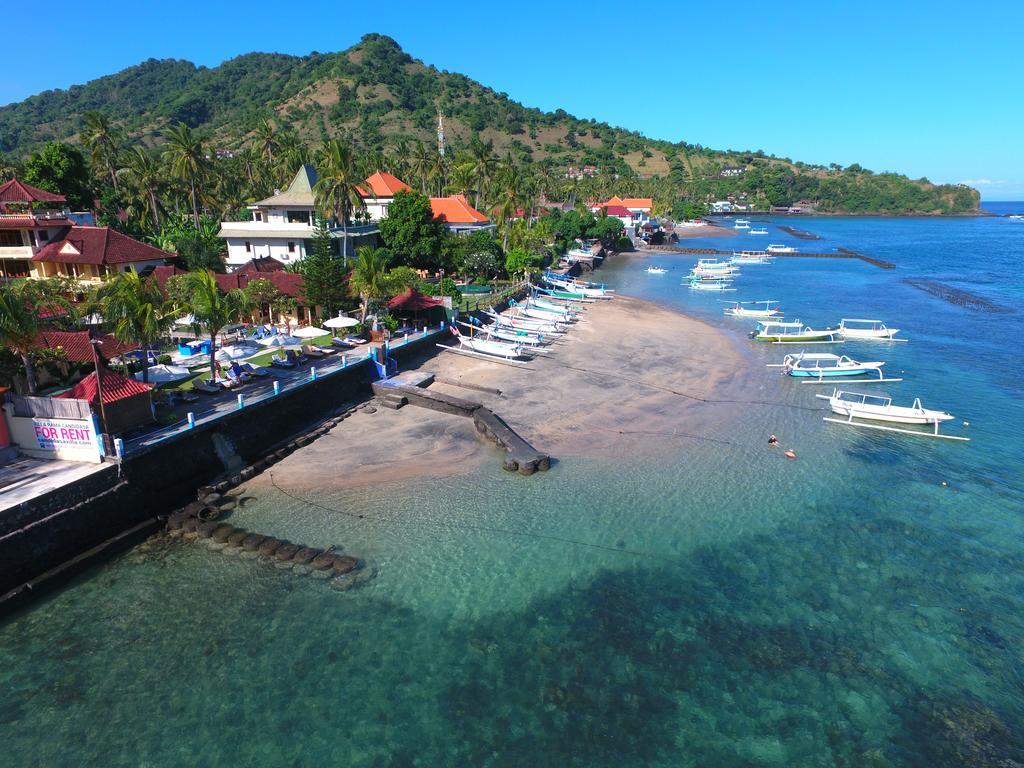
25, 228
36, 243
283, 225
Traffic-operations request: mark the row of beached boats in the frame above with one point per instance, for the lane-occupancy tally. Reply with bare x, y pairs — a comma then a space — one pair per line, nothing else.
530, 326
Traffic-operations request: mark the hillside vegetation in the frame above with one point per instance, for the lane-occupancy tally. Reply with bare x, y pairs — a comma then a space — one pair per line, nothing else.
376, 97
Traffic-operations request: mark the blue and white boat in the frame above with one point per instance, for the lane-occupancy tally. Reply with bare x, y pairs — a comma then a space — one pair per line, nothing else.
819, 366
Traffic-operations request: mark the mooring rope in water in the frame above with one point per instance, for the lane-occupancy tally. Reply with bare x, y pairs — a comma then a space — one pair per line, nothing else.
483, 528
670, 390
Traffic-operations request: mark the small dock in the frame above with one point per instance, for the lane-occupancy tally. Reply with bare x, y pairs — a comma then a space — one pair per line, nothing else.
410, 389
841, 253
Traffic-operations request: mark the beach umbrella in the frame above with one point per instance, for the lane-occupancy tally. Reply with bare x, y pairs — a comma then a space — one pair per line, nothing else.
341, 322
186, 320
280, 340
309, 332
162, 374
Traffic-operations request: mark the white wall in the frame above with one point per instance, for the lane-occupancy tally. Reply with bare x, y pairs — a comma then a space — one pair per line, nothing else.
65, 439
260, 248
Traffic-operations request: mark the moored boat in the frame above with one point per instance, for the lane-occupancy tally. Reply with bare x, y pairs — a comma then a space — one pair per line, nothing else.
758, 231
656, 270
795, 332
853, 328
824, 365
780, 249
753, 309
857, 405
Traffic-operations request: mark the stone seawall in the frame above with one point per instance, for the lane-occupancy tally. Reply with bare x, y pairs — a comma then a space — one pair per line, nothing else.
61, 526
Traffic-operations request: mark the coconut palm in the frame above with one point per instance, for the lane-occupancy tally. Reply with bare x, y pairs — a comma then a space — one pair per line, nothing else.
419, 164
337, 187
142, 174
211, 309
266, 140
137, 310
482, 153
103, 141
461, 176
187, 160
22, 304
369, 276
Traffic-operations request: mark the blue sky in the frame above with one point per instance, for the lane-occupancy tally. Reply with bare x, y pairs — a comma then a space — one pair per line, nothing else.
927, 89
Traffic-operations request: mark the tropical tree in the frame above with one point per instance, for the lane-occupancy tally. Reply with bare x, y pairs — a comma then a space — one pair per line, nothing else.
61, 168
482, 153
337, 186
323, 273
22, 304
187, 160
142, 173
369, 276
211, 309
266, 140
410, 231
103, 141
262, 293
138, 311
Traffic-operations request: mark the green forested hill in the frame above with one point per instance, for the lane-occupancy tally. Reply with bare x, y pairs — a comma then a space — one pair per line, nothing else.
378, 96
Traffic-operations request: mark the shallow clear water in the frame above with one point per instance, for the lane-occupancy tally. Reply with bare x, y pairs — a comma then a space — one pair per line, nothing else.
714, 605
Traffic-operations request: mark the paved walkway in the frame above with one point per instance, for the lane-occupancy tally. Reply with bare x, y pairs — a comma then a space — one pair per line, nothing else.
26, 478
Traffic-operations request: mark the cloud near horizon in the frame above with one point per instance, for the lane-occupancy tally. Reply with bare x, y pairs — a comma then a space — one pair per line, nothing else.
984, 182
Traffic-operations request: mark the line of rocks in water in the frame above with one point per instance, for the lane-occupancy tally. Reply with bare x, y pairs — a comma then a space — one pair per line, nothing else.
199, 520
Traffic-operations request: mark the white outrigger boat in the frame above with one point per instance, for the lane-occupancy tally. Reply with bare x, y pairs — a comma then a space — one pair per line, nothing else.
521, 322
656, 270
542, 314
758, 231
585, 289
505, 333
752, 308
867, 330
856, 405
795, 332
741, 224
739, 258
486, 348
718, 284
816, 367
781, 249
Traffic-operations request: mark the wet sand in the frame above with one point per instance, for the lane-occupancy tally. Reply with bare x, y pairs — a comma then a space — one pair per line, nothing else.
623, 379
711, 230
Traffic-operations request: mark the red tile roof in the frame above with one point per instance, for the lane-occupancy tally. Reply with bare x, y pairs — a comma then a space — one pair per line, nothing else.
383, 184
27, 220
617, 210
99, 245
638, 202
288, 283
413, 301
262, 264
115, 387
456, 209
160, 274
77, 347
15, 191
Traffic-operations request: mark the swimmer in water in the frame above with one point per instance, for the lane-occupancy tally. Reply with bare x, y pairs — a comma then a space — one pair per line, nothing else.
772, 441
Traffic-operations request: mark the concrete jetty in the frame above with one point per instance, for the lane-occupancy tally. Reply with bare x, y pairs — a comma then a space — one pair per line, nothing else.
411, 389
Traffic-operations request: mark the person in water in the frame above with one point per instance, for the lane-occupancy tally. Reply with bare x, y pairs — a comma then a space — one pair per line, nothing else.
772, 441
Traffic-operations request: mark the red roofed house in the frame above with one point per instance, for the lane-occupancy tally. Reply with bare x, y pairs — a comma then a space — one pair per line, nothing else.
288, 283
458, 215
639, 207
378, 192
92, 253
127, 403
25, 227
77, 345
622, 213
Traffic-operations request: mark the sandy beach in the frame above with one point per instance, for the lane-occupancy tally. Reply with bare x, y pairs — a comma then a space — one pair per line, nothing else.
624, 377
711, 230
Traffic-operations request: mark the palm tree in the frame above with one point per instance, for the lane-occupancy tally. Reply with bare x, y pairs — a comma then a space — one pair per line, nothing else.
103, 141
184, 154
482, 153
211, 309
460, 179
419, 164
337, 186
142, 173
266, 140
22, 304
292, 153
138, 311
369, 276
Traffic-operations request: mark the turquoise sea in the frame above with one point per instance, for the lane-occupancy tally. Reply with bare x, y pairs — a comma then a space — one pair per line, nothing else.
711, 605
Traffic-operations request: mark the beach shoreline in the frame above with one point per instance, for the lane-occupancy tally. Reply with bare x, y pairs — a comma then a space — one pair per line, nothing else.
630, 375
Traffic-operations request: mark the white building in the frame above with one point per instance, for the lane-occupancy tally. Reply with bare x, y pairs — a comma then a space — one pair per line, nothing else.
378, 192
283, 225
